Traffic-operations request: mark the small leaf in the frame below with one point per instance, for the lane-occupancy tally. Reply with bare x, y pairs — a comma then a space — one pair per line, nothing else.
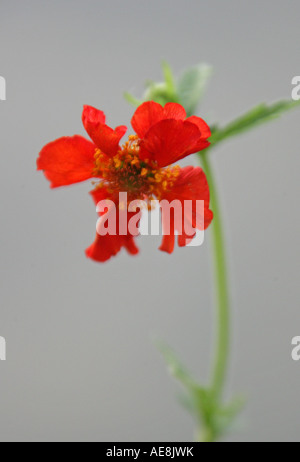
210, 415
233, 408
197, 400
169, 78
132, 99
176, 367
160, 93
224, 416
256, 116
192, 85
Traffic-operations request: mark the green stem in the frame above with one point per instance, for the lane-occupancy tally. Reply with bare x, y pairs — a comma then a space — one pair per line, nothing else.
219, 372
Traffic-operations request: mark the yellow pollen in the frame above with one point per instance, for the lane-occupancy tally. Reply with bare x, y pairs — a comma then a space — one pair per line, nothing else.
135, 161
117, 162
133, 137
158, 177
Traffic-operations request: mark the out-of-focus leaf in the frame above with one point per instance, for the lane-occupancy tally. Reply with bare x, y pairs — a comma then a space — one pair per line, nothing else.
225, 416
256, 116
159, 93
162, 92
169, 79
198, 400
176, 367
192, 85
132, 99
209, 414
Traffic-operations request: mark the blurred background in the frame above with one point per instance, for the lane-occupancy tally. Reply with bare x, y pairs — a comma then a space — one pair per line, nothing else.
81, 363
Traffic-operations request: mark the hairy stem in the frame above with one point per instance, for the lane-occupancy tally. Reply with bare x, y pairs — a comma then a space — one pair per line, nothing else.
220, 364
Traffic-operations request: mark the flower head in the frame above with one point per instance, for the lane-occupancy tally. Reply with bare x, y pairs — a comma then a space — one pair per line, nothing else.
142, 167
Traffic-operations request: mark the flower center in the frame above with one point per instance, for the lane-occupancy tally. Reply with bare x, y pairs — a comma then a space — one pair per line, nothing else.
126, 172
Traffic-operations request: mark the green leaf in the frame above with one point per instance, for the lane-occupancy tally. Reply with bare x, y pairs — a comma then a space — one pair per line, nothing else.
132, 99
197, 400
192, 85
256, 116
162, 92
176, 367
210, 415
227, 414
159, 93
169, 78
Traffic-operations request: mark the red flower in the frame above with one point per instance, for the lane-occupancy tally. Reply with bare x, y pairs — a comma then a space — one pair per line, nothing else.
140, 167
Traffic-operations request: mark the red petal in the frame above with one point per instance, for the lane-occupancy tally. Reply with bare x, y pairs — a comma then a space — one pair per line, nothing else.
103, 136
190, 185
174, 111
67, 160
168, 243
100, 194
146, 115
105, 247
170, 140
92, 116
201, 124
150, 113
130, 246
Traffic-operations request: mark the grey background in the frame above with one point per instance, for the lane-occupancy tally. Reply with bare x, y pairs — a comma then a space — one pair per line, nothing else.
81, 365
